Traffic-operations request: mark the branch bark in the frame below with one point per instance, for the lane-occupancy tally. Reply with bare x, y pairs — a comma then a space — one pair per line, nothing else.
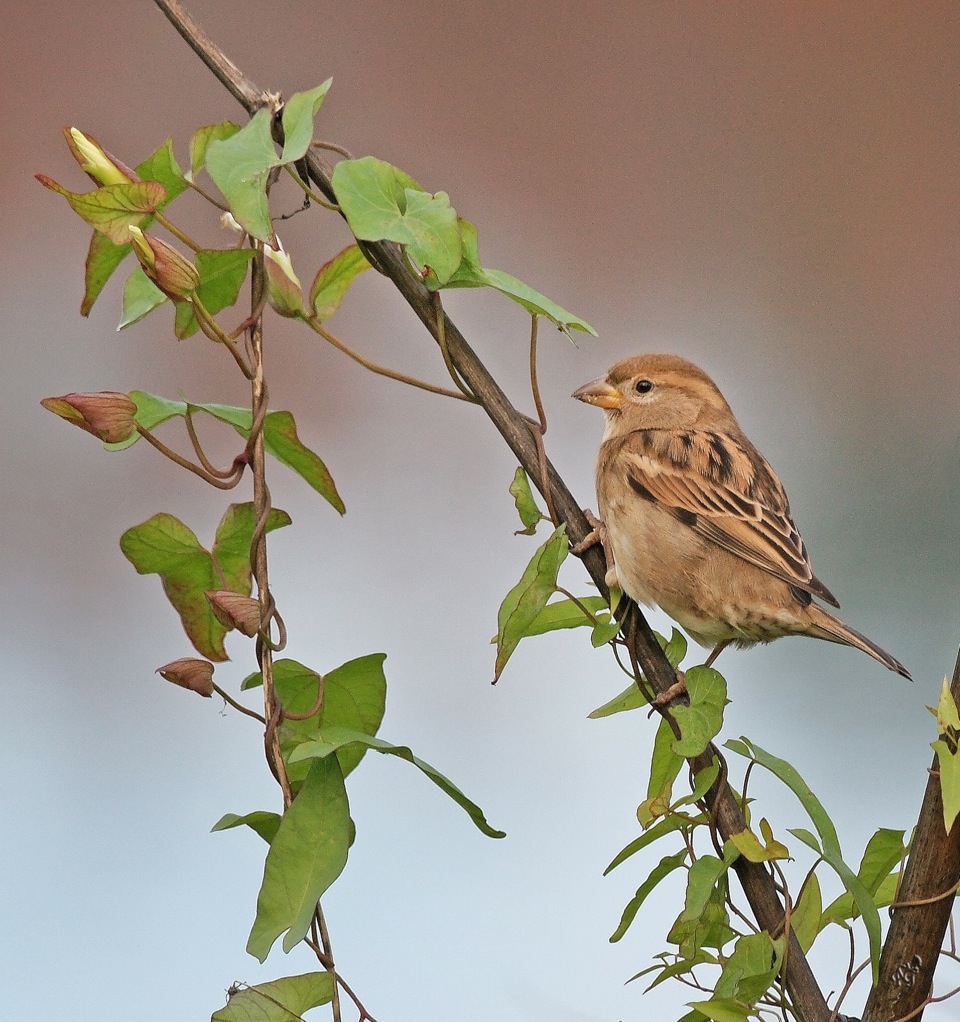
758, 885
922, 910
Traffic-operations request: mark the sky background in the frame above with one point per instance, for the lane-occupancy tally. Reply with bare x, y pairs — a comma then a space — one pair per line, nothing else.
768, 190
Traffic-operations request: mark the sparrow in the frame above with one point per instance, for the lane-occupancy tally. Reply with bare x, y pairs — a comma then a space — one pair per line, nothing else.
696, 521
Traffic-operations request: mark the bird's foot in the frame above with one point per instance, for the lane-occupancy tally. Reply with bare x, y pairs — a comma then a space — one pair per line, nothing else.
678, 688
597, 534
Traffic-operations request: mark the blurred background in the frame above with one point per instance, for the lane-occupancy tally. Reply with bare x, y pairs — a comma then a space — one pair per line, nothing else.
766, 189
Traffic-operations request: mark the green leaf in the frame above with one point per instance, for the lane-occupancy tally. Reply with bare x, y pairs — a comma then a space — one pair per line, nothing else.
140, 297
948, 761
471, 274
354, 697
112, 209
604, 631
565, 614
222, 274
529, 596
333, 280
164, 546
263, 823
709, 929
435, 244
669, 824
283, 1000
239, 166
805, 918
530, 514
678, 968
948, 755
664, 768
702, 720
334, 738
282, 442
306, 856
631, 698
298, 113
703, 781
751, 969
883, 853
372, 195
751, 847
534, 302
722, 1010
382, 203
201, 140
703, 878
153, 410
676, 649
829, 841
161, 166
103, 256
231, 548
663, 869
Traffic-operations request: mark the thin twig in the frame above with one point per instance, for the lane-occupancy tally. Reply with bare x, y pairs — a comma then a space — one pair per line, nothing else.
221, 484
380, 370
328, 951
237, 706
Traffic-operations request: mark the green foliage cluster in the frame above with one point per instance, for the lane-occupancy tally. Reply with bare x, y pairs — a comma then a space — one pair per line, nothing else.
324, 723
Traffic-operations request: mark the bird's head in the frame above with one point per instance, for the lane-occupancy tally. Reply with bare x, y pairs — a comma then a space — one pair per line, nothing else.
658, 392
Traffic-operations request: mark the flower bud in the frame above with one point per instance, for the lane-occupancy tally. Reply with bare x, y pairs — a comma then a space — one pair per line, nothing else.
283, 285
190, 673
95, 161
109, 416
234, 610
175, 276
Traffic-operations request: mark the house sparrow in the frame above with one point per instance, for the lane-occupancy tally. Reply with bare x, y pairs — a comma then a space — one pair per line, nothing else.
696, 520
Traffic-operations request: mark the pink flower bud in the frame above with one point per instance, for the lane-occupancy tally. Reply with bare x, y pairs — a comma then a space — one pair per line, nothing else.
108, 416
233, 610
175, 276
190, 673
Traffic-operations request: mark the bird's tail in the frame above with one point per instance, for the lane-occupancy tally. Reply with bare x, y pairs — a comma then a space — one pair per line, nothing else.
826, 626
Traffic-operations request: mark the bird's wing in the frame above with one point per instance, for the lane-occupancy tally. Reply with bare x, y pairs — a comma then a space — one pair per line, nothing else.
723, 488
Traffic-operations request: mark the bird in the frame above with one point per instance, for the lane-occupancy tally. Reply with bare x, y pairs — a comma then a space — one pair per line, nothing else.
696, 520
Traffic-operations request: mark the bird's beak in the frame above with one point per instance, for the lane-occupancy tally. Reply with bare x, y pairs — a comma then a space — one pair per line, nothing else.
599, 393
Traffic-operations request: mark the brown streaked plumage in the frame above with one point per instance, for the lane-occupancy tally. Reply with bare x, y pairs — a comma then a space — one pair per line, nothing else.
696, 519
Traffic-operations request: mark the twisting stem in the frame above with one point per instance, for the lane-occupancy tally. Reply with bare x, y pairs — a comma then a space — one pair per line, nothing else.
235, 469
309, 192
441, 317
534, 384
258, 548
214, 331
380, 370
221, 483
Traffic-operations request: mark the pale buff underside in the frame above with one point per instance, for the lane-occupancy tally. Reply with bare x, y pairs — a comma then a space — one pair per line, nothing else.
714, 595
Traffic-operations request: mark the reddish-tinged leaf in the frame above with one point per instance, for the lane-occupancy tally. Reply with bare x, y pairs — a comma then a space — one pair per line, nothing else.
113, 209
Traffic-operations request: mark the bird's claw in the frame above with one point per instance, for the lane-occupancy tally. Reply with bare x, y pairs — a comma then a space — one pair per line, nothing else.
678, 688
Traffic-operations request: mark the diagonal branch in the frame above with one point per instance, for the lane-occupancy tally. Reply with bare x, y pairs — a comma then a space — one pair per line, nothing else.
758, 886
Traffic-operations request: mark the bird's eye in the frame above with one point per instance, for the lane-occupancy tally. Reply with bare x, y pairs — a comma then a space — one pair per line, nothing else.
643, 386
